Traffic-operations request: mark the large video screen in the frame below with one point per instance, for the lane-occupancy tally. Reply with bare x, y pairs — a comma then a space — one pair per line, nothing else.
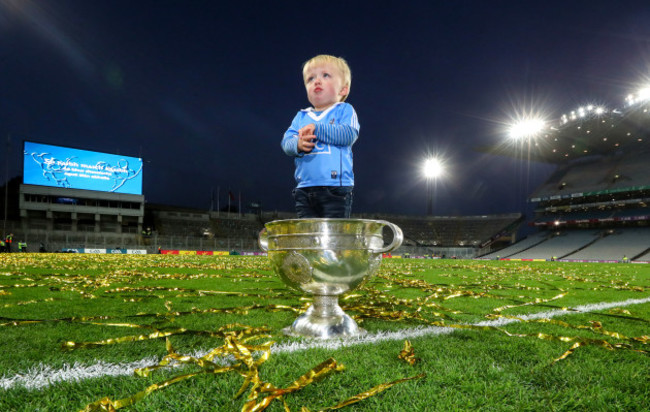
58, 166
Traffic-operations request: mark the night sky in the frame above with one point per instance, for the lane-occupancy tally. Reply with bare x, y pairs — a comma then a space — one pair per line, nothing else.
204, 90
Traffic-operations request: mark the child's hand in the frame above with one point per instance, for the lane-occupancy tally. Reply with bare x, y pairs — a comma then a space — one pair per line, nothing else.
306, 143
306, 138
307, 130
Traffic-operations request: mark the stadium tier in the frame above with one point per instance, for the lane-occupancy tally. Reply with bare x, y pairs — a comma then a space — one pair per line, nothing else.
520, 246
71, 199
449, 236
594, 176
614, 245
594, 207
455, 231
73, 225
558, 246
581, 245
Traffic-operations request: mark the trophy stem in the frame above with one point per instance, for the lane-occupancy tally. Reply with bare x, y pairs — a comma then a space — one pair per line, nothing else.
324, 319
327, 306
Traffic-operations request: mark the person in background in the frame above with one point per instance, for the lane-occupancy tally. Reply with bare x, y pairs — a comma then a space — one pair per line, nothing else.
8, 241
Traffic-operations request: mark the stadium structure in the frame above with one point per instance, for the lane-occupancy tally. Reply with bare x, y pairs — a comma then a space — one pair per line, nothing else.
592, 208
81, 201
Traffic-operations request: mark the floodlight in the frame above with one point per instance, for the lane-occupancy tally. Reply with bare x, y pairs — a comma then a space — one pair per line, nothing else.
643, 94
526, 128
432, 168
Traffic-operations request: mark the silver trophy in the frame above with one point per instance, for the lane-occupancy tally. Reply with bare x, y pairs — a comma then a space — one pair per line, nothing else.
326, 258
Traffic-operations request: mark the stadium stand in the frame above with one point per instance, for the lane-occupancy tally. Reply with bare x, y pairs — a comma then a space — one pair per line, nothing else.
616, 244
452, 231
169, 227
599, 174
595, 205
559, 245
645, 257
453, 236
518, 247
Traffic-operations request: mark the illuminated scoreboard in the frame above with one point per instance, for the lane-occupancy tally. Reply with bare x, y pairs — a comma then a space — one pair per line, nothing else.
64, 167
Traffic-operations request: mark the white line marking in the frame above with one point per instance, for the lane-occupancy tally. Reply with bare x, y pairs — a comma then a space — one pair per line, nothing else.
41, 376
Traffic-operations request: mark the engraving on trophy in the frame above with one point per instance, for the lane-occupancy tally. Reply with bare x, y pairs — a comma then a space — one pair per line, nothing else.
296, 268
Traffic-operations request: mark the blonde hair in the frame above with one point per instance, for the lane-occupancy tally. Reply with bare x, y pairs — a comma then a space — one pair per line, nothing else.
338, 62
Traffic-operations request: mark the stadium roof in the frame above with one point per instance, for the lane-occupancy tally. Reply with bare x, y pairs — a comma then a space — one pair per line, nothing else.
589, 131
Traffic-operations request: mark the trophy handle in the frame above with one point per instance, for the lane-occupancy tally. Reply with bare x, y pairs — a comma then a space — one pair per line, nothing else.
263, 240
398, 237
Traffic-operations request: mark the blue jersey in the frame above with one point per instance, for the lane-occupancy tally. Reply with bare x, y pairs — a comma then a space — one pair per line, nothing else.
330, 162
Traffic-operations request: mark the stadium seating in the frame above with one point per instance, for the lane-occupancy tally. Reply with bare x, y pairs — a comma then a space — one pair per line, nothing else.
518, 247
558, 245
452, 231
629, 242
598, 201
608, 173
644, 257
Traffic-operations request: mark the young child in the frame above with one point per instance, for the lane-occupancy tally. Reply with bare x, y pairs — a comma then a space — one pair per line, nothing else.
320, 140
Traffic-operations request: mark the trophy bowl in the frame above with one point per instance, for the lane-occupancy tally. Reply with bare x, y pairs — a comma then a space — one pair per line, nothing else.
326, 258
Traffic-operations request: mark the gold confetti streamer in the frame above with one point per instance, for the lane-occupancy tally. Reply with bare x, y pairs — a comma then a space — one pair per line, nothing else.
407, 354
231, 346
70, 345
537, 301
372, 392
105, 404
313, 375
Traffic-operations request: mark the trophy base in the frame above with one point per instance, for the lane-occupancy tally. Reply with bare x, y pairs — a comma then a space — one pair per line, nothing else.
324, 320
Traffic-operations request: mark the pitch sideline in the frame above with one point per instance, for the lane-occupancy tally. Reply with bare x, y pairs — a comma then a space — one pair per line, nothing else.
42, 376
